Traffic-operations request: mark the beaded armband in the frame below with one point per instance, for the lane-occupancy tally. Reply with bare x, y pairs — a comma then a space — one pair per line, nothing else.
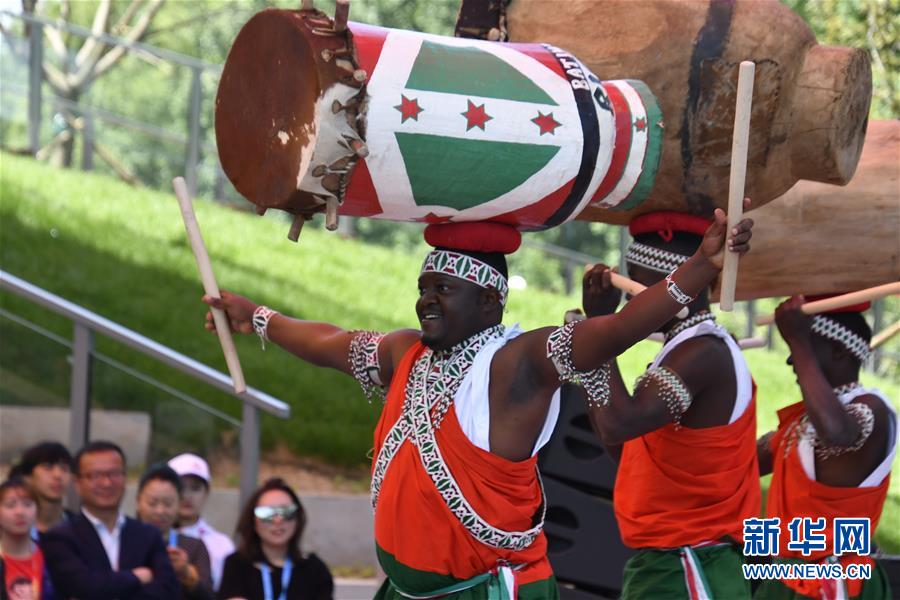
364, 364
671, 389
595, 382
866, 420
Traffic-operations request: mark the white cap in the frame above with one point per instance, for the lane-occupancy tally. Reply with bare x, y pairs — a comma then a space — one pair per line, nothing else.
190, 464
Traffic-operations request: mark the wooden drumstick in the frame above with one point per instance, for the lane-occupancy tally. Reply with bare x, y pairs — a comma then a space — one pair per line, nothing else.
630, 286
209, 284
739, 144
752, 342
820, 306
885, 335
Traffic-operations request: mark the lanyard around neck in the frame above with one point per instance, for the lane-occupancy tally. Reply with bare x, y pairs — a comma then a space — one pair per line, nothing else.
285, 579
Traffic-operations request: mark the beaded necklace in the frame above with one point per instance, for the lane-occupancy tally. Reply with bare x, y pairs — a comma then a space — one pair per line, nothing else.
696, 319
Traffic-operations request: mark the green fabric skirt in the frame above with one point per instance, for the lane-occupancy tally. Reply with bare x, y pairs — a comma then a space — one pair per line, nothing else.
421, 582
659, 575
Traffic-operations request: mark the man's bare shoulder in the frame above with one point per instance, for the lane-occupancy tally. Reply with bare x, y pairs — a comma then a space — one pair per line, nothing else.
704, 353
397, 342
525, 354
880, 411
527, 344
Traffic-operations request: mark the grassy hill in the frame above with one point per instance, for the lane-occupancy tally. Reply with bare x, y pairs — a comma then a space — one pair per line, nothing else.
122, 252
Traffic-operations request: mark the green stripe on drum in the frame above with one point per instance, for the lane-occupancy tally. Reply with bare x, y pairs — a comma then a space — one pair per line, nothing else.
462, 173
471, 72
650, 166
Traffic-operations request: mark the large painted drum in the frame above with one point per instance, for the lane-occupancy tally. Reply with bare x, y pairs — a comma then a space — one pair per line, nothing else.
407, 126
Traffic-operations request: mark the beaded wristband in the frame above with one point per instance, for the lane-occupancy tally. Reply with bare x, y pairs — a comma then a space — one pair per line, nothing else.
261, 317
676, 292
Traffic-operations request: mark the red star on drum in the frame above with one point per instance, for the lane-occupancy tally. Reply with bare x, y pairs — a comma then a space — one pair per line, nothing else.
546, 123
476, 116
409, 109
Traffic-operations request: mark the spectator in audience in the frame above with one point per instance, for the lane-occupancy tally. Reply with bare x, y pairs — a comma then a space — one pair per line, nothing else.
101, 554
195, 481
159, 493
47, 469
22, 571
268, 563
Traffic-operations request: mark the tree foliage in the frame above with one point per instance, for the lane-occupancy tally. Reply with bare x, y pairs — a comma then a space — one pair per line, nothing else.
74, 62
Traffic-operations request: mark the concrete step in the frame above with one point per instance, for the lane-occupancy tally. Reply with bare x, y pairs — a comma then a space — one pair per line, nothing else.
355, 589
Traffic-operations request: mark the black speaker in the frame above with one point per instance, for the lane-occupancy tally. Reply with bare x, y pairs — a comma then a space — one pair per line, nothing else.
567, 592
584, 544
574, 453
891, 566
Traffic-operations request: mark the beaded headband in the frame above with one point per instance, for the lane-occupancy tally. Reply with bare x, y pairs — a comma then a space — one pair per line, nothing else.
831, 329
655, 259
467, 268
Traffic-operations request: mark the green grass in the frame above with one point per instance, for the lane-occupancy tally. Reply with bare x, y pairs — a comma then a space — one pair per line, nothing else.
122, 252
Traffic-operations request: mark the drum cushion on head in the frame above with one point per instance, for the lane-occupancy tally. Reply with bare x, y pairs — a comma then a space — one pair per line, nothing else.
667, 223
474, 237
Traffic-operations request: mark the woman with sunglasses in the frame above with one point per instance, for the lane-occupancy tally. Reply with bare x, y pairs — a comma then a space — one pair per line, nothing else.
268, 564
158, 497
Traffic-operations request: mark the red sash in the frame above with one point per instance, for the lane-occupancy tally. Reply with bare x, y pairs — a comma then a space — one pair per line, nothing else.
412, 521
793, 494
682, 486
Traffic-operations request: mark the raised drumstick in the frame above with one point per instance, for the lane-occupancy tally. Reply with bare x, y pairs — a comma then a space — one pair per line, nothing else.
739, 143
820, 306
885, 335
209, 284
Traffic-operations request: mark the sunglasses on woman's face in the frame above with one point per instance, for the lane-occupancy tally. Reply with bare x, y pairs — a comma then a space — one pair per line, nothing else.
268, 514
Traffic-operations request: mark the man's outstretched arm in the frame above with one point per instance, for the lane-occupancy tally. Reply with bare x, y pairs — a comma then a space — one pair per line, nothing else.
320, 344
596, 341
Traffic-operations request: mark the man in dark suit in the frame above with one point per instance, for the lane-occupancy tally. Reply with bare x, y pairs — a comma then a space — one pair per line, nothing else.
102, 554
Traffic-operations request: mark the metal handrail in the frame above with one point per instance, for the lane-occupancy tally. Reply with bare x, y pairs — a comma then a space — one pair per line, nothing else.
142, 344
105, 115
120, 366
86, 324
